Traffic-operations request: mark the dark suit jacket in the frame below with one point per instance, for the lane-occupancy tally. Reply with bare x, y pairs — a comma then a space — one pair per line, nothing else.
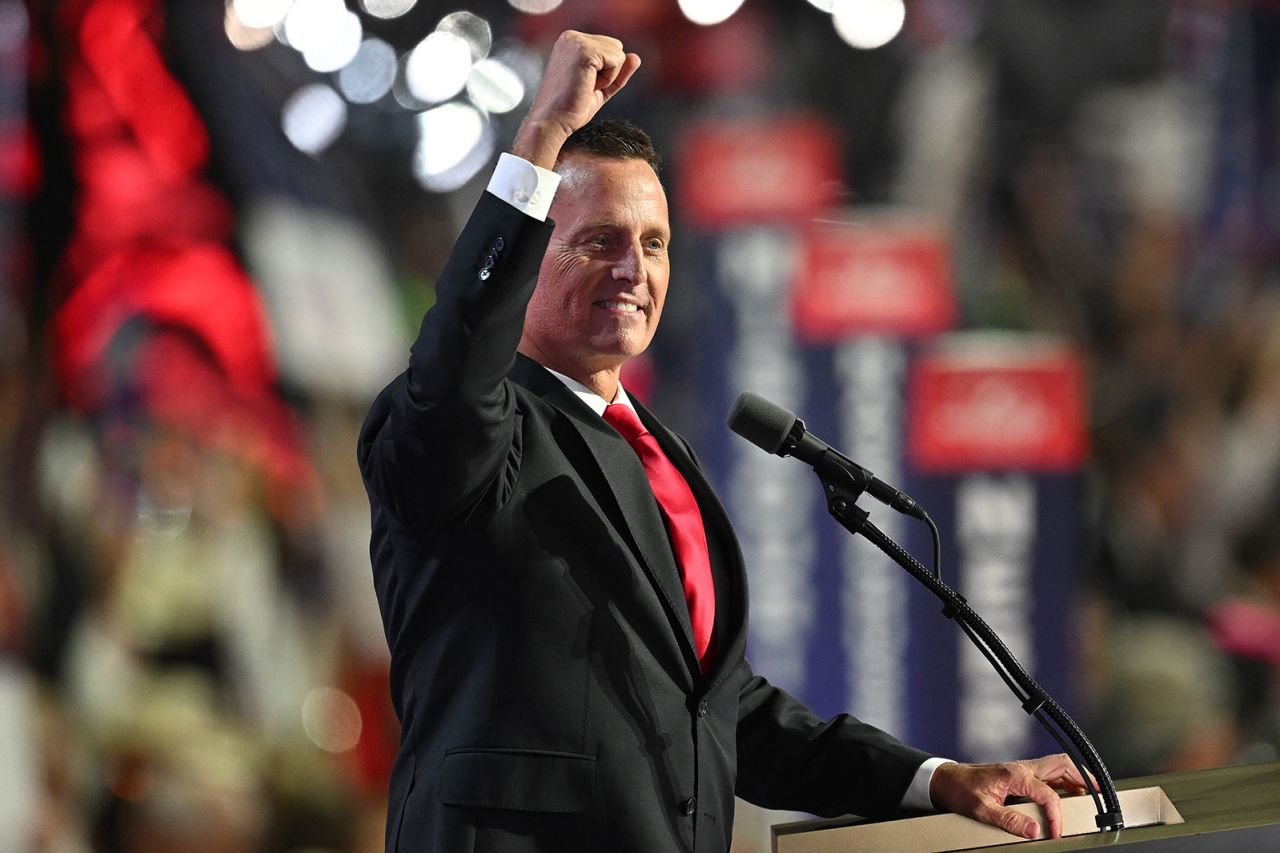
542, 662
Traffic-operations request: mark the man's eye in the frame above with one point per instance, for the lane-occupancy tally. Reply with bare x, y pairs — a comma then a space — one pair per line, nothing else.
656, 245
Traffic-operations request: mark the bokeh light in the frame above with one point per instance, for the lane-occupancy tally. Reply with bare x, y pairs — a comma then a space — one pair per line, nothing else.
259, 14
339, 49
494, 86
438, 67
242, 36
331, 719
535, 7
454, 143
524, 61
708, 12
868, 24
388, 8
448, 133
400, 87
313, 24
472, 29
369, 75
313, 117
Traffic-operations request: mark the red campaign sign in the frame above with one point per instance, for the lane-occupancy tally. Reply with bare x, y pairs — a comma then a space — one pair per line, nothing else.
878, 276
993, 402
775, 169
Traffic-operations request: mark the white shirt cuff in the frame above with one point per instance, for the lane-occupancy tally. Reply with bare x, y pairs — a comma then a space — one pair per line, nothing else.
917, 796
524, 186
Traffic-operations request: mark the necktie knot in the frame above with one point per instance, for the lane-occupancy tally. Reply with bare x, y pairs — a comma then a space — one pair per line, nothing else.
624, 419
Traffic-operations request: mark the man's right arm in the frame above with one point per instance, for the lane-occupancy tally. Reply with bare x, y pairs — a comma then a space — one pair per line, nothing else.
441, 432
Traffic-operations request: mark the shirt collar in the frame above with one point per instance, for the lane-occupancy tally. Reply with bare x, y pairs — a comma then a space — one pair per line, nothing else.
591, 398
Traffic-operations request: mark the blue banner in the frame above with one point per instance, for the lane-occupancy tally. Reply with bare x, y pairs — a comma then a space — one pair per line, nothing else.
833, 620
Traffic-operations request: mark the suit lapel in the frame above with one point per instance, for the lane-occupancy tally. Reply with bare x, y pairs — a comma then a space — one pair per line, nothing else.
638, 518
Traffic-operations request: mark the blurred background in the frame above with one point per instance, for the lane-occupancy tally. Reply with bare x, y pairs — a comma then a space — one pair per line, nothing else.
1018, 255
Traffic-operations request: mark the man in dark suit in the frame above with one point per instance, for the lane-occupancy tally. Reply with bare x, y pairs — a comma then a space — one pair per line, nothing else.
566, 607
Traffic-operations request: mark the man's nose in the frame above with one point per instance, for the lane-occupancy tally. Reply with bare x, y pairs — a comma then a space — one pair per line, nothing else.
630, 266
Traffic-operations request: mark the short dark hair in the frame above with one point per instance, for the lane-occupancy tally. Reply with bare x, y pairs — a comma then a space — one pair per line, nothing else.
614, 139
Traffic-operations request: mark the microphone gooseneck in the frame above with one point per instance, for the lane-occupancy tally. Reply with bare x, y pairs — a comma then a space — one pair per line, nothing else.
778, 431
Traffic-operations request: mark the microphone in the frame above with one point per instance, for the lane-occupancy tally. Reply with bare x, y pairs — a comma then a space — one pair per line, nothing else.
775, 430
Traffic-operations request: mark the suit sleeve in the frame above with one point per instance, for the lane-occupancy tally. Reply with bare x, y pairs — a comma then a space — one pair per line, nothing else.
789, 758
444, 431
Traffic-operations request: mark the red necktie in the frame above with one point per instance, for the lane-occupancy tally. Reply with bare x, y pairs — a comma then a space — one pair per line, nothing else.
684, 524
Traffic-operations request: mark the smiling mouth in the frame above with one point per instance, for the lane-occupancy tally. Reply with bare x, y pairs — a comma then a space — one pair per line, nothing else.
624, 307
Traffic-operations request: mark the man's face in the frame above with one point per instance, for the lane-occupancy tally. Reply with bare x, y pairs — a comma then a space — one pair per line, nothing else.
604, 278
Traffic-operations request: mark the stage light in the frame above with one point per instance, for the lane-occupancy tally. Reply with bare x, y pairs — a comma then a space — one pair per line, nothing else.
455, 142
535, 7
313, 117
340, 48
241, 35
313, 24
448, 133
524, 61
259, 14
868, 24
369, 75
437, 68
400, 87
708, 12
472, 29
494, 86
387, 8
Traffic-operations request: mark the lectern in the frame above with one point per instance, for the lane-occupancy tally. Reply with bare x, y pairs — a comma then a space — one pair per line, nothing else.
1235, 809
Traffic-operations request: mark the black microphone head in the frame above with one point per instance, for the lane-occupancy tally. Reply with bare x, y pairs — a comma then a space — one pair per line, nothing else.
764, 424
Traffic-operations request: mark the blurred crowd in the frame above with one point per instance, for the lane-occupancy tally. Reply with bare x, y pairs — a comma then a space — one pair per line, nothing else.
190, 654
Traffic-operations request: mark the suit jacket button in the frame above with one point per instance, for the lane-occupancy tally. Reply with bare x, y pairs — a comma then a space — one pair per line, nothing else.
499, 244
702, 708
484, 275
688, 806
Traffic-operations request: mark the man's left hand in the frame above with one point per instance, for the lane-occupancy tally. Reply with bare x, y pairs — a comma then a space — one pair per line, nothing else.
979, 791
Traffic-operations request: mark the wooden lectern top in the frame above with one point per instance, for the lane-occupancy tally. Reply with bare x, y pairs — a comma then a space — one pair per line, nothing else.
1227, 809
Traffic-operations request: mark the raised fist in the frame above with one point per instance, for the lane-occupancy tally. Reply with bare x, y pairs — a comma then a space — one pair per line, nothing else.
583, 72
